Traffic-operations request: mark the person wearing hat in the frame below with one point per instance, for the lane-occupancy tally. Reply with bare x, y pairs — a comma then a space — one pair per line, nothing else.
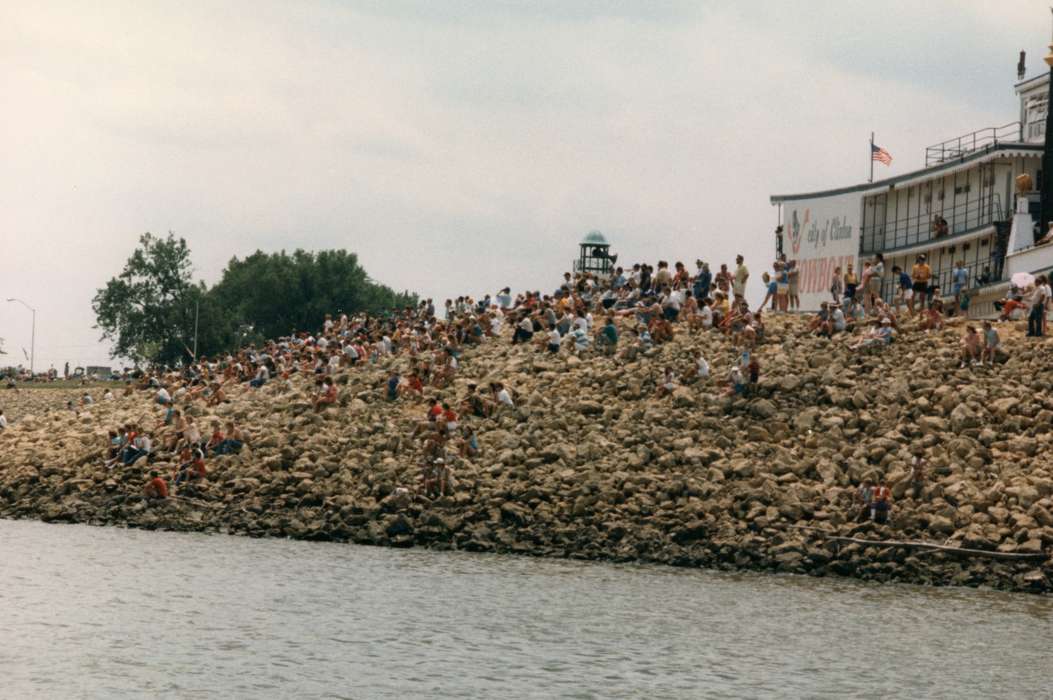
920, 275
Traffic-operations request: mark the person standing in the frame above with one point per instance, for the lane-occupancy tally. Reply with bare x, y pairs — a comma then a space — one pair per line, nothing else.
793, 274
837, 285
877, 278
959, 282
1038, 308
917, 473
920, 274
851, 282
742, 274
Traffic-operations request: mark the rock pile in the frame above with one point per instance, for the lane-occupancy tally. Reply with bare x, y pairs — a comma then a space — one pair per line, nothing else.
591, 464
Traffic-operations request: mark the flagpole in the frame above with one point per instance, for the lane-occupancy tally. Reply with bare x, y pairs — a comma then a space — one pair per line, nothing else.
870, 157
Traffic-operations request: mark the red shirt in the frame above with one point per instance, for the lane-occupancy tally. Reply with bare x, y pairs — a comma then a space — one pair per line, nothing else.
449, 416
434, 412
160, 487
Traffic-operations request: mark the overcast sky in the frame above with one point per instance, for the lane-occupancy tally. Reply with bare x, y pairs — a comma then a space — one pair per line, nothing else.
457, 146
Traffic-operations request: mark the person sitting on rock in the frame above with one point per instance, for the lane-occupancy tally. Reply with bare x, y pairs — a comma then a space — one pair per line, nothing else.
991, 342
262, 375
882, 503
970, 346
819, 323
473, 404
192, 465
216, 439
217, 395
413, 385
879, 334
932, 318
699, 368
140, 446
607, 337
326, 395
502, 399
232, 442
668, 383
736, 382
155, 488
1010, 305
661, 329
469, 446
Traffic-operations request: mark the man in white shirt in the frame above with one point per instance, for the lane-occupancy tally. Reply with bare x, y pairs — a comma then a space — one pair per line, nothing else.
3, 421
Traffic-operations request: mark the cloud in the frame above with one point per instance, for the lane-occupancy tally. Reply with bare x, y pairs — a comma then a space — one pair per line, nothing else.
457, 146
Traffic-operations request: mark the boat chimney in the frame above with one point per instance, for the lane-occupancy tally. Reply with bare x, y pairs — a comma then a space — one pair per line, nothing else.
1020, 66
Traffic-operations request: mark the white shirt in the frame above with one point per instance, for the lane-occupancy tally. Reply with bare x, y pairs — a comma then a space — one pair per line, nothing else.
163, 395
504, 397
3, 422
554, 337
703, 367
706, 314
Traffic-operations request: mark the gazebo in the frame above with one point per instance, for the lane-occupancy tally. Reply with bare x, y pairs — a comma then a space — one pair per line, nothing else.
595, 254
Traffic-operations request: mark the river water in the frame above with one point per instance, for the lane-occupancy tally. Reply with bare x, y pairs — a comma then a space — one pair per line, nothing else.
113, 613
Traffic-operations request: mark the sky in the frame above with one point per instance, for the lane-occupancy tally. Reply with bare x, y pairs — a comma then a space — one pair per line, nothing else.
457, 147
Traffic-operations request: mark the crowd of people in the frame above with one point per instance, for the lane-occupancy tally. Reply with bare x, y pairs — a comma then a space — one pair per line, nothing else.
621, 316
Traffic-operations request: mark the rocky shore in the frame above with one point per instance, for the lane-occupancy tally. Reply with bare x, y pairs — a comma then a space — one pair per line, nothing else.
591, 464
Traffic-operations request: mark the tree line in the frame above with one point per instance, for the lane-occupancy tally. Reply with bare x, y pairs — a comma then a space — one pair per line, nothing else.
153, 311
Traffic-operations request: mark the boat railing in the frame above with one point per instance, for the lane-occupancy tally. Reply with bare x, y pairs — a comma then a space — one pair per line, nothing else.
971, 142
923, 227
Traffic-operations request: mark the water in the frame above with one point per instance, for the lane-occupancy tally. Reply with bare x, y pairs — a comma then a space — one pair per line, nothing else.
111, 613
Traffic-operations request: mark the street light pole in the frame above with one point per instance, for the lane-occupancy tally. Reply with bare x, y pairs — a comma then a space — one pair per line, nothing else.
33, 337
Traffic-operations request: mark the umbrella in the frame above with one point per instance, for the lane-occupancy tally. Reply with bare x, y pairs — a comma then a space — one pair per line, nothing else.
1022, 280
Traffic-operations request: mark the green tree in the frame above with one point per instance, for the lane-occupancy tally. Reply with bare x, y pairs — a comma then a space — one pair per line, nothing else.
148, 310
279, 293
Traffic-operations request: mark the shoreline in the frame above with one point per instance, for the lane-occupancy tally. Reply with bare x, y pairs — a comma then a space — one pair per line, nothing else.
441, 528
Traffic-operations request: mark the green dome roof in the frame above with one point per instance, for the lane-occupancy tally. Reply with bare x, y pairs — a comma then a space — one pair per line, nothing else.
595, 238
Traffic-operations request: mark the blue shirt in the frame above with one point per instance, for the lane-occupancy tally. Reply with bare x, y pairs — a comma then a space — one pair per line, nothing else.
961, 275
905, 282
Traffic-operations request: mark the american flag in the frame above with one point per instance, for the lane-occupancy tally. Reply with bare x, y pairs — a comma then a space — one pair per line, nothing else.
880, 154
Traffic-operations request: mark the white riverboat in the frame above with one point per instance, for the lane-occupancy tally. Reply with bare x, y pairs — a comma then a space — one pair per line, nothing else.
966, 205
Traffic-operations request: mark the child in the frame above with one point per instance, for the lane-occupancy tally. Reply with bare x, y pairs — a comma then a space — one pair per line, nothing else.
991, 341
970, 346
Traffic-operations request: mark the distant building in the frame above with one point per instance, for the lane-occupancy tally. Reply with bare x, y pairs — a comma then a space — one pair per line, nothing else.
594, 255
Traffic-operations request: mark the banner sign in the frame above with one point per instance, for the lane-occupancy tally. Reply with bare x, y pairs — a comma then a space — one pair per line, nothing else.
822, 234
